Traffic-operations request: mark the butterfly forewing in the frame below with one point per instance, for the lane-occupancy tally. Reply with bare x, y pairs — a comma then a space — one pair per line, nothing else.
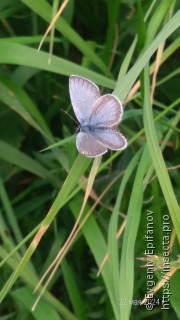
107, 112
111, 139
83, 94
89, 146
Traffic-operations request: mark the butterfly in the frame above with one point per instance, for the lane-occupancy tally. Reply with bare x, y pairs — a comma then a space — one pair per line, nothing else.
98, 117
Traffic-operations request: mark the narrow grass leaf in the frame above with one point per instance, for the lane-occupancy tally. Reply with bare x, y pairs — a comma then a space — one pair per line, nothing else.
30, 279
95, 241
80, 165
113, 8
43, 9
23, 296
157, 18
113, 256
59, 143
12, 53
16, 99
157, 158
124, 85
128, 57
73, 291
130, 234
21, 160
59, 257
10, 213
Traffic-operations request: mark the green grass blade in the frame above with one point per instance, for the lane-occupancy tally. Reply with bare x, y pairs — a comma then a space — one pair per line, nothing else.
123, 87
12, 53
113, 8
157, 18
31, 279
157, 158
59, 143
23, 296
130, 234
73, 290
10, 213
21, 160
113, 256
94, 236
128, 57
80, 165
17, 100
42, 8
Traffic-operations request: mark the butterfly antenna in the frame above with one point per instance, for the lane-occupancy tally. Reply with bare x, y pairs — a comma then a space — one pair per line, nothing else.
69, 116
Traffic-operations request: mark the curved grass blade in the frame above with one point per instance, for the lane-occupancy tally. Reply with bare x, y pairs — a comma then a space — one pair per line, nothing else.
16, 99
43, 9
80, 165
157, 158
113, 256
132, 223
18, 158
124, 85
13, 53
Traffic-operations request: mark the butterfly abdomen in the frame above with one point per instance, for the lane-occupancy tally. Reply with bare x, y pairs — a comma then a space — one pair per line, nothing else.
91, 129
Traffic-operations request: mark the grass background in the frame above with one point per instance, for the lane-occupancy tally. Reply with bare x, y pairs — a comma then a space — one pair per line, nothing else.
113, 43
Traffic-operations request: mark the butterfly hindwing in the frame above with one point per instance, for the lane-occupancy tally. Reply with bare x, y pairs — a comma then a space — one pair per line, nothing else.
110, 138
89, 146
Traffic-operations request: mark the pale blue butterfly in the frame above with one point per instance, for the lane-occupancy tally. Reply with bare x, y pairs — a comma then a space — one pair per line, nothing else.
98, 117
